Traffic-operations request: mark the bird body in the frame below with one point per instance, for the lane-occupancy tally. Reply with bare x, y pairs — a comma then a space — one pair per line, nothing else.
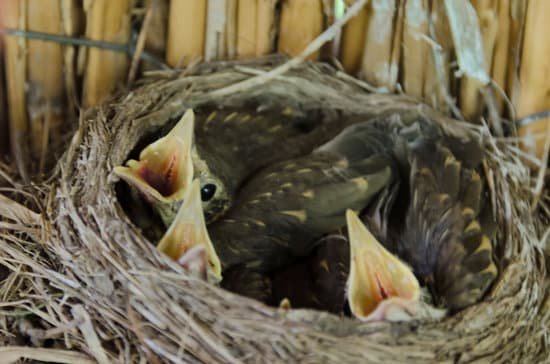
280, 213
276, 191
445, 241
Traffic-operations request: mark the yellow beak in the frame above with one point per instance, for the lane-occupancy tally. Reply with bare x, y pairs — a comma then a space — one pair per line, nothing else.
165, 168
375, 274
187, 236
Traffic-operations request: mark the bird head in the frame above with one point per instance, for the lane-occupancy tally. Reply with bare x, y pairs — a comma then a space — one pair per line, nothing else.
187, 240
164, 170
379, 286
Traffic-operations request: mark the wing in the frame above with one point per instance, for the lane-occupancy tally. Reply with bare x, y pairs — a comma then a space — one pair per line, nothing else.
444, 240
281, 213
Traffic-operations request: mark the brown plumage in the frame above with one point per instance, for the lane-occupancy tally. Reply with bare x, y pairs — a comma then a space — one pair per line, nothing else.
448, 232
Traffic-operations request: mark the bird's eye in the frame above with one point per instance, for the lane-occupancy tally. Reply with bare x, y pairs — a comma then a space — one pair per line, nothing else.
208, 191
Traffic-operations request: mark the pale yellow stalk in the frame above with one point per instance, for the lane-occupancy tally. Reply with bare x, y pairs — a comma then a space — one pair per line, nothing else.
231, 28
500, 57
265, 24
105, 70
395, 56
353, 37
155, 43
246, 28
471, 102
518, 11
376, 63
534, 76
14, 16
46, 97
437, 81
215, 38
301, 22
186, 32
73, 25
415, 48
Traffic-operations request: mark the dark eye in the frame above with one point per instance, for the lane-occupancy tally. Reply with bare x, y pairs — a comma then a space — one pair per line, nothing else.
208, 191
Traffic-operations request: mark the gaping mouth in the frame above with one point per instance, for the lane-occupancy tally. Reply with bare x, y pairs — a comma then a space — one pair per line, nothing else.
164, 171
375, 274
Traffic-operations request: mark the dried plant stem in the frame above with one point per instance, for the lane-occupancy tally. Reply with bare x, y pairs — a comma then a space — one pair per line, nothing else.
73, 18
301, 22
106, 21
215, 43
12, 354
246, 28
14, 17
437, 82
518, 11
470, 97
415, 49
353, 36
500, 56
265, 26
186, 32
377, 55
231, 28
534, 93
155, 42
140, 46
46, 99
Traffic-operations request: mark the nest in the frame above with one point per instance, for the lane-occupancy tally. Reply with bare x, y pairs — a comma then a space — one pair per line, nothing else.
83, 277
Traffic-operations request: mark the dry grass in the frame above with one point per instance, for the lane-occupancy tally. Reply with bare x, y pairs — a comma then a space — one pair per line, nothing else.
80, 276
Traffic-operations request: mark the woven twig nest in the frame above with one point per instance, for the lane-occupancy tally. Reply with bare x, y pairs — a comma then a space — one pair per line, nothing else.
121, 299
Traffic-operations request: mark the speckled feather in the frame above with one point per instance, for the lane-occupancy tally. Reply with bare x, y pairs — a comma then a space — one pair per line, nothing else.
448, 248
281, 212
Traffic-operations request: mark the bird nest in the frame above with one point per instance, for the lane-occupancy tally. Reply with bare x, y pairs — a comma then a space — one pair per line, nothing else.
83, 277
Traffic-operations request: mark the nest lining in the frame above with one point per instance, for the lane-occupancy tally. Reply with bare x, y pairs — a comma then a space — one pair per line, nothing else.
98, 269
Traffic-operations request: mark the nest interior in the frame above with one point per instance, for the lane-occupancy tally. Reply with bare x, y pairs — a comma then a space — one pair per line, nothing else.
92, 282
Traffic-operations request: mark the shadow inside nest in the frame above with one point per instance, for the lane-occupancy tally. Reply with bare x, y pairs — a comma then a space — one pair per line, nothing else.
319, 276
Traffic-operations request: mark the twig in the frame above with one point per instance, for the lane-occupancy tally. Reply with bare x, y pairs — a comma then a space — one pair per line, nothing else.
533, 117
62, 39
140, 44
12, 354
313, 47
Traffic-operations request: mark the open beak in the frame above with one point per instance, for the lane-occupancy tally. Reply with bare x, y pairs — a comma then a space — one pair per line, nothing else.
187, 241
376, 276
165, 169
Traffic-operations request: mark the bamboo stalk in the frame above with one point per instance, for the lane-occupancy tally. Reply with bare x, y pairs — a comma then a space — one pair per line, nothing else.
46, 96
415, 50
395, 56
155, 42
265, 26
534, 94
353, 36
186, 32
437, 81
215, 30
301, 22
15, 65
500, 59
246, 28
470, 100
231, 28
105, 70
518, 12
375, 66
73, 25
